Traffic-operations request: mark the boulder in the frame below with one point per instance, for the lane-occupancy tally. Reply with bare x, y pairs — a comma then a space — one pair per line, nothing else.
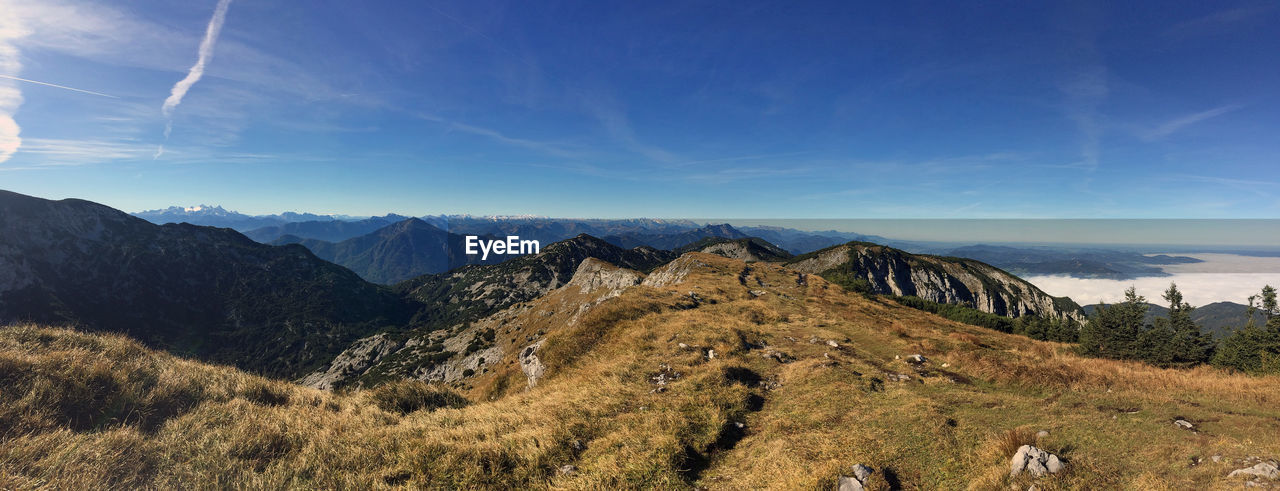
916, 359
1264, 469
858, 481
530, 364
1035, 461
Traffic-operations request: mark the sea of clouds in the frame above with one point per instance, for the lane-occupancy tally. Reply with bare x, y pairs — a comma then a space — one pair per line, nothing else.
1197, 288
1218, 278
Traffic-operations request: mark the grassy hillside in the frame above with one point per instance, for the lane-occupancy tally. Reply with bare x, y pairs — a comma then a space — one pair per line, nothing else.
711, 374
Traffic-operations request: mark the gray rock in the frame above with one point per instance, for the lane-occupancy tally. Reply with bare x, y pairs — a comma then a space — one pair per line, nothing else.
594, 275
832, 343
1042, 434
1184, 424
862, 472
567, 470
916, 359
1264, 469
1035, 461
779, 356
847, 483
530, 364
857, 482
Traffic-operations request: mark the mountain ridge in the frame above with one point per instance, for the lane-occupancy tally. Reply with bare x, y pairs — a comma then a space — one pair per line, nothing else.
396, 252
203, 291
879, 269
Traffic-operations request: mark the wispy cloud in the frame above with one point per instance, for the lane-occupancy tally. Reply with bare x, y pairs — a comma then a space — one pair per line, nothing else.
1261, 188
11, 29
609, 113
47, 84
1085, 90
53, 152
550, 148
1217, 20
197, 71
738, 158
731, 174
1173, 125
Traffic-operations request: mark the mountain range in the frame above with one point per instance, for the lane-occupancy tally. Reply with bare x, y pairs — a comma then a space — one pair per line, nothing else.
217, 216
1076, 261
201, 291
325, 230
215, 294
586, 365
395, 252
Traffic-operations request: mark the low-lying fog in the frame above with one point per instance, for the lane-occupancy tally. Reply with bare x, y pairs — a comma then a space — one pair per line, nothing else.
1221, 277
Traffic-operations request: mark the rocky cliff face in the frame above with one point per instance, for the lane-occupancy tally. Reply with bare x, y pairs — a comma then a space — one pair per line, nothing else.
889, 271
594, 275
472, 292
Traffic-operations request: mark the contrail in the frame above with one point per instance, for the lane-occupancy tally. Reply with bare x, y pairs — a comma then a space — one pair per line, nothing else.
58, 86
206, 53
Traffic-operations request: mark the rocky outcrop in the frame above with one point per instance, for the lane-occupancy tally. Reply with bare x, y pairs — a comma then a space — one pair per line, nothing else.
750, 249
471, 292
353, 361
1263, 469
473, 343
674, 272
594, 275
1034, 461
887, 271
531, 365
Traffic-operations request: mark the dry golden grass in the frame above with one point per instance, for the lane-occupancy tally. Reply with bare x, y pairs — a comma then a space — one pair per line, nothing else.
92, 411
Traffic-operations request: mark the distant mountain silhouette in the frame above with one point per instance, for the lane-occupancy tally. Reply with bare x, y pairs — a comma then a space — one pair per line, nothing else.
326, 230
396, 252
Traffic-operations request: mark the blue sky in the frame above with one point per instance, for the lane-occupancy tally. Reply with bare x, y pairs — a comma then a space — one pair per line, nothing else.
609, 109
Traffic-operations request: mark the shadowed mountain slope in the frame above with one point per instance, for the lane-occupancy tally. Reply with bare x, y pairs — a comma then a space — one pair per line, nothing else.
203, 291
396, 252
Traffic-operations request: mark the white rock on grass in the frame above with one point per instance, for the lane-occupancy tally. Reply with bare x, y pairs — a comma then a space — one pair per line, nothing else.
1264, 469
1037, 462
858, 481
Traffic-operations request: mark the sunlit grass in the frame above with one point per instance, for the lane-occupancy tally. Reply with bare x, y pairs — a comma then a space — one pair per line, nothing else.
94, 411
